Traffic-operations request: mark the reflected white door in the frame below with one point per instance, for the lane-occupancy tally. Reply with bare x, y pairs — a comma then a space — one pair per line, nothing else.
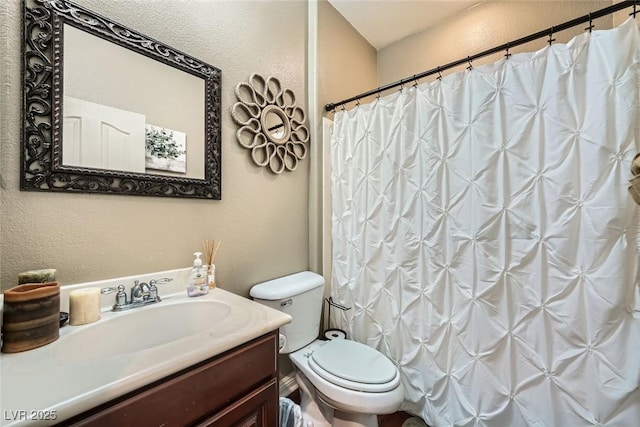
99, 136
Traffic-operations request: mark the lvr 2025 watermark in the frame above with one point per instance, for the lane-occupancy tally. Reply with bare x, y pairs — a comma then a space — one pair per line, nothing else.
23, 415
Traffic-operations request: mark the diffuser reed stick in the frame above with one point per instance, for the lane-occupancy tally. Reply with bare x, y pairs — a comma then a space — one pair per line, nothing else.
210, 250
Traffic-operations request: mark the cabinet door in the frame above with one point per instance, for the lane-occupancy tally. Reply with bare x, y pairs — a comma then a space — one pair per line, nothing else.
258, 408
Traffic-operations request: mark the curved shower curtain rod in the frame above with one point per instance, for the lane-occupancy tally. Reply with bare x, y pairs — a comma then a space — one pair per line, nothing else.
540, 34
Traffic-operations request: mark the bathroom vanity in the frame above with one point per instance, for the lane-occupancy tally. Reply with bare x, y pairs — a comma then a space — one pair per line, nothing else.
210, 360
239, 387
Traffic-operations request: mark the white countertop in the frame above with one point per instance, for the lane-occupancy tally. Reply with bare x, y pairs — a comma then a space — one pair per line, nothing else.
40, 384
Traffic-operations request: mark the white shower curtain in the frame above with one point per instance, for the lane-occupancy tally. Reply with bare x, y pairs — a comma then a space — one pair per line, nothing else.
484, 236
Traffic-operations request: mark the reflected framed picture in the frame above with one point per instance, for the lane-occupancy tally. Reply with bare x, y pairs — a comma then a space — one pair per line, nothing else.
166, 149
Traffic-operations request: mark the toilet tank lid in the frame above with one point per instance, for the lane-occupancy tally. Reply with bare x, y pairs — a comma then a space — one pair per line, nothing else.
287, 286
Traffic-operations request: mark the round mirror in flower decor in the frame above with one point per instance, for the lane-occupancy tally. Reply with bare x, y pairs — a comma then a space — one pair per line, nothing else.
271, 124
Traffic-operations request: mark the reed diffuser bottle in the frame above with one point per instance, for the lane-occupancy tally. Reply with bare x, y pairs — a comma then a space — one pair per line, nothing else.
210, 251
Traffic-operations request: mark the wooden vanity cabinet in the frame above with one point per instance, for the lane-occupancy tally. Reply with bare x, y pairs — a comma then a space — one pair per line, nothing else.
236, 388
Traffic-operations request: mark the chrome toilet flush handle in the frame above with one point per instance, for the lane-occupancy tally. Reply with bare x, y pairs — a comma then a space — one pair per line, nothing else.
287, 303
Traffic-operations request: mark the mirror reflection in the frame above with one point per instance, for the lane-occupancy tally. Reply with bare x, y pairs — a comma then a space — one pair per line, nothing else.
275, 124
124, 111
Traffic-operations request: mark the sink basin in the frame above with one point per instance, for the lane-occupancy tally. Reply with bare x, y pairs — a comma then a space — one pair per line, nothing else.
140, 329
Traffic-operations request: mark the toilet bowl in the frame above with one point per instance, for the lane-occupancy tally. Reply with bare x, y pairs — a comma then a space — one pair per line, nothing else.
342, 383
354, 380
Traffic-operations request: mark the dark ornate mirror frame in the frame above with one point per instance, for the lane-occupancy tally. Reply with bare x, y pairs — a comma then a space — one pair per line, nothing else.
42, 74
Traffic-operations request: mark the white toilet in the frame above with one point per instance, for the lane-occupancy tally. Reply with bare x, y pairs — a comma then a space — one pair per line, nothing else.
342, 382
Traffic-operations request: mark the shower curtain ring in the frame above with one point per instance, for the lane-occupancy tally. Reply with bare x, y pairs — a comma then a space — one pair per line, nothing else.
357, 102
401, 85
378, 94
470, 67
635, 9
343, 108
439, 73
507, 55
551, 39
590, 27
415, 81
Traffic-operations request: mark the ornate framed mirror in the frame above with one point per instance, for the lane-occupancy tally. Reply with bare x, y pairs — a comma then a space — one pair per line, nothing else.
109, 110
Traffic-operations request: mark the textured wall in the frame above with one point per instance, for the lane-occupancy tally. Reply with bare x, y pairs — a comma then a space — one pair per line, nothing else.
346, 66
346, 61
621, 16
479, 28
262, 219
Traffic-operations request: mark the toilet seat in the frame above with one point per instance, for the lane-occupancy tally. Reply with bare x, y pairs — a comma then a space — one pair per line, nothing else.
354, 366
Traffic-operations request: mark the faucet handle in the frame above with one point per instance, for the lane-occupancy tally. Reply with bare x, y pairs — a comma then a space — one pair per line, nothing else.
153, 289
121, 296
105, 291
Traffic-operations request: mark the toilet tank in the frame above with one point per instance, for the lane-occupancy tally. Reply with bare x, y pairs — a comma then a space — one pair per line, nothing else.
299, 295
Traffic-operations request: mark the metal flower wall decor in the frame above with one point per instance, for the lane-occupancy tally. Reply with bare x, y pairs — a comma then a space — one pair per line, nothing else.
271, 124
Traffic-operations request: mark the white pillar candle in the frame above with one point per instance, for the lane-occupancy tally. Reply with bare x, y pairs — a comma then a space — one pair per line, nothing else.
84, 306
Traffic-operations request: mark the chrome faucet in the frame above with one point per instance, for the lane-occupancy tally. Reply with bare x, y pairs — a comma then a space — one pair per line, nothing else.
141, 294
139, 291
